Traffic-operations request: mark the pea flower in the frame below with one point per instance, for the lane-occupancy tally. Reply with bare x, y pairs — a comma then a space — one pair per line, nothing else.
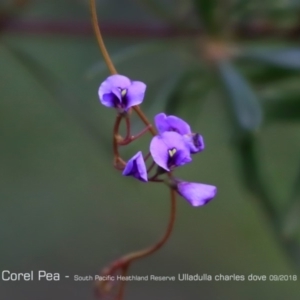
136, 167
165, 123
120, 92
169, 150
197, 194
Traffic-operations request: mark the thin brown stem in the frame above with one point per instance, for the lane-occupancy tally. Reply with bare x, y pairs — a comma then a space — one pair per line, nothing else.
122, 284
117, 158
151, 167
110, 64
130, 139
126, 260
129, 258
156, 180
100, 41
147, 156
128, 131
143, 253
144, 119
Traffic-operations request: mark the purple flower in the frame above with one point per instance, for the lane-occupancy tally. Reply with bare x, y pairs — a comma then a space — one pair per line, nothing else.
165, 123
169, 150
195, 142
197, 194
120, 92
136, 167
171, 123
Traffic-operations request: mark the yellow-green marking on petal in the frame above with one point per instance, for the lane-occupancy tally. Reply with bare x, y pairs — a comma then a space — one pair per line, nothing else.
172, 152
123, 92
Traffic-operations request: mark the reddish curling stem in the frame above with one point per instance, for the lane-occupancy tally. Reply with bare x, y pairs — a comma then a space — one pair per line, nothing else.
129, 258
99, 38
117, 159
126, 260
146, 157
122, 285
127, 120
151, 167
130, 139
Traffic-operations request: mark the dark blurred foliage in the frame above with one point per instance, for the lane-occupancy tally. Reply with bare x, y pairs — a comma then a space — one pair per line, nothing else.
231, 67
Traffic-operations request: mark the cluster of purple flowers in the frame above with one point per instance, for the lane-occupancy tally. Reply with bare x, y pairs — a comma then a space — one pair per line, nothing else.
172, 147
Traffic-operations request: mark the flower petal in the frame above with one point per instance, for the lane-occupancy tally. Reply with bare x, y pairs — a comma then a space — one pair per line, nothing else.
195, 142
112, 99
171, 123
114, 81
135, 93
178, 125
182, 157
160, 146
159, 152
109, 100
109, 91
136, 167
197, 194
161, 123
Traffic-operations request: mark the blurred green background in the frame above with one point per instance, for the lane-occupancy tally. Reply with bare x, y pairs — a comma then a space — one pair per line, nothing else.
231, 68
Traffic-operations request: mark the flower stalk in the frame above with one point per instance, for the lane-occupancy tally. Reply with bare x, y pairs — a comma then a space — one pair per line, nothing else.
172, 146
99, 38
124, 262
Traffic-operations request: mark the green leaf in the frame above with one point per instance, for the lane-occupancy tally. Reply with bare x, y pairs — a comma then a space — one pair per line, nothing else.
246, 149
124, 55
291, 220
169, 88
251, 174
246, 107
262, 75
173, 97
207, 10
185, 89
63, 95
162, 11
284, 58
286, 108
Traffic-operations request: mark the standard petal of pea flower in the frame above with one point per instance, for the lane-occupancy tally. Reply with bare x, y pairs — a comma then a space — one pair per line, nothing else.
169, 150
171, 123
166, 123
120, 92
